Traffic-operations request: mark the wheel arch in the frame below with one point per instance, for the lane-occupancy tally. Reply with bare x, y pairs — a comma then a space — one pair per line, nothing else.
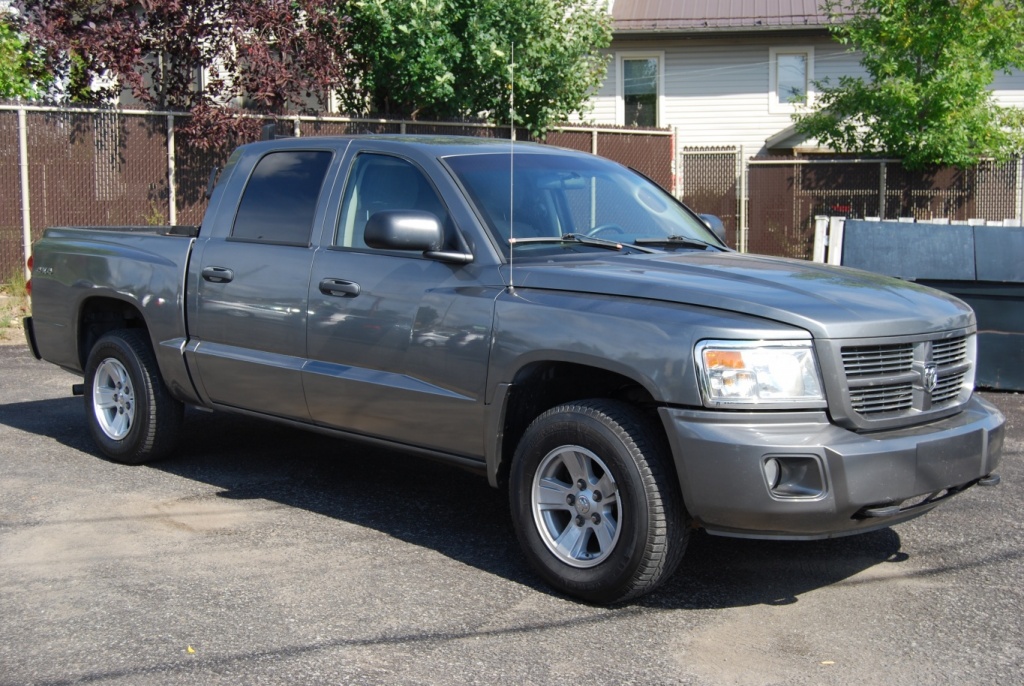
540, 385
99, 315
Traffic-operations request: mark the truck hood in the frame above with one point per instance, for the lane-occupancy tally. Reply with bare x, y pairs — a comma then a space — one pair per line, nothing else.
829, 302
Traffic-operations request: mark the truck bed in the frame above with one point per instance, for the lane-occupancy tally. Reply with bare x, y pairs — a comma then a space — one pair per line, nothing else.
133, 274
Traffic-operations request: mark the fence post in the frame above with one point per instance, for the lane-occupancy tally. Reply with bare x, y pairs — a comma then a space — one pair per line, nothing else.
172, 184
882, 171
1018, 211
820, 238
836, 229
26, 213
677, 163
743, 166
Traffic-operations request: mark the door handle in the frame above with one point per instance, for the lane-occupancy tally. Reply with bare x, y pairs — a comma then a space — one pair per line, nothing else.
339, 287
218, 274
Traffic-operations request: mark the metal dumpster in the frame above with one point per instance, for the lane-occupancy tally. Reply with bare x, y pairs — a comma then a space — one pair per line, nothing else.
982, 265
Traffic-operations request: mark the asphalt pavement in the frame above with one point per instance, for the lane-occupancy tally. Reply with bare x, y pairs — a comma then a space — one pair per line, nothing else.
264, 555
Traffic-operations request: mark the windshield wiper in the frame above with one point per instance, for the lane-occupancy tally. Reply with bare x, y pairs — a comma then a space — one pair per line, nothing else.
674, 241
576, 238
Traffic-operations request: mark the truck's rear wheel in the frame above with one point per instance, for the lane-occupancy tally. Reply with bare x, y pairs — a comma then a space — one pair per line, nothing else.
594, 501
132, 417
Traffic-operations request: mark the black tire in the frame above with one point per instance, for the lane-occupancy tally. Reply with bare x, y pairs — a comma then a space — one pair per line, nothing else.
132, 417
598, 546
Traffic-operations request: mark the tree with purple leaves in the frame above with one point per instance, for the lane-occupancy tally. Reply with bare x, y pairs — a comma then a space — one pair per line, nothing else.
217, 59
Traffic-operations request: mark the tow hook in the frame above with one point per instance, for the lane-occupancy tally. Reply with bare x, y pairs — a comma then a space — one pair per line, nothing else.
887, 511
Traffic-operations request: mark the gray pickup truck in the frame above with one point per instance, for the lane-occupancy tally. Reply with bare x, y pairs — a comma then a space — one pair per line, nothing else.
547, 318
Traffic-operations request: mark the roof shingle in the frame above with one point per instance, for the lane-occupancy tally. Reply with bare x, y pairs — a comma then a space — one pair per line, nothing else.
683, 15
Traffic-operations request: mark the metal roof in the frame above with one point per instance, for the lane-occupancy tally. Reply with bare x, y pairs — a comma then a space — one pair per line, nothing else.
720, 15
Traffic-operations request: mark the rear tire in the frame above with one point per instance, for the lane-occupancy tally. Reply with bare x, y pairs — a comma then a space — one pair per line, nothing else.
131, 415
595, 502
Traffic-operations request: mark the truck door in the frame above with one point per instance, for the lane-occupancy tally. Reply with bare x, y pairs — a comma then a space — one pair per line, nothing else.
250, 318
397, 343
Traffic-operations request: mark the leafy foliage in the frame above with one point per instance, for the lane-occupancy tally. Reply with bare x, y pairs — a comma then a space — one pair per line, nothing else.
930, 64
453, 58
22, 72
255, 56
408, 58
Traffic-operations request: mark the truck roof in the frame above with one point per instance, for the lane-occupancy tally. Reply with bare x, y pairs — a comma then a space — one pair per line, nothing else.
434, 145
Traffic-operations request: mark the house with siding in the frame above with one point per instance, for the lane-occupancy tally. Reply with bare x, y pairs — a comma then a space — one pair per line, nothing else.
727, 72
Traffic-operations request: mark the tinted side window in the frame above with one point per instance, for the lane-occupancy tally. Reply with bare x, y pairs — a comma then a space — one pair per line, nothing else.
382, 182
279, 201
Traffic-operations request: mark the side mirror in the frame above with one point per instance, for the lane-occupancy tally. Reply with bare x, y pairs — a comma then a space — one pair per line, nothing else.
404, 230
715, 224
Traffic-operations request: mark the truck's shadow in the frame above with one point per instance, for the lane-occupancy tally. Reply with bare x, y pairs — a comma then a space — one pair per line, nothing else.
449, 510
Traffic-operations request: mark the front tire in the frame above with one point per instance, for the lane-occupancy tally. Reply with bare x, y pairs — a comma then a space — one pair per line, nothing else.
595, 503
131, 415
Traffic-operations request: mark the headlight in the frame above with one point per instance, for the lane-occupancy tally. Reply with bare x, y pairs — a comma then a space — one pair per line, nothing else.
777, 373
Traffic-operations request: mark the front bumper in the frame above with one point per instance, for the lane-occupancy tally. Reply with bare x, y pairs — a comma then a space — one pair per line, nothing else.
854, 482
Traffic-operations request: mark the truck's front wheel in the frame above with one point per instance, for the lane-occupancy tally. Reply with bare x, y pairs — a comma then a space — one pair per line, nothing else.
132, 417
594, 501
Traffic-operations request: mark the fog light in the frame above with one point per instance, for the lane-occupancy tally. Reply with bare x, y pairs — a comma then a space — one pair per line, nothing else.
795, 477
771, 472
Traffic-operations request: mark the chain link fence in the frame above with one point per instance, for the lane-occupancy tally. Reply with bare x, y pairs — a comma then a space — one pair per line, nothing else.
94, 167
12, 244
768, 205
125, 167
710, 182
648, 151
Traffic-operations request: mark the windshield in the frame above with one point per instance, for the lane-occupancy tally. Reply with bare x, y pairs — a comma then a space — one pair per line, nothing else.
551, 196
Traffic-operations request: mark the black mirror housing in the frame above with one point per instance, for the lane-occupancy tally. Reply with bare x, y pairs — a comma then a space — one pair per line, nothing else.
404, 230
715, 224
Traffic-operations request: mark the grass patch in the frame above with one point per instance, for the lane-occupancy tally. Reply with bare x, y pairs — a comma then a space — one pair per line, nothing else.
14, 304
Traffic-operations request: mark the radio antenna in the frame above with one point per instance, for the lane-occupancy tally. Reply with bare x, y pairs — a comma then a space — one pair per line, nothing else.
511, 164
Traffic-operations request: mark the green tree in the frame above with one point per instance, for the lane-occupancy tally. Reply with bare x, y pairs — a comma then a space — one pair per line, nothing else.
930, 64
453, 58
22, 74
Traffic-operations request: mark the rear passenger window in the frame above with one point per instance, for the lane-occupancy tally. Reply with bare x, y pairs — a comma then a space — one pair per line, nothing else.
280, 200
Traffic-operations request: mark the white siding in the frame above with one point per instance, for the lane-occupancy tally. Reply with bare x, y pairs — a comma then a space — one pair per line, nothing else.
602, 103
832, 61
716, 91
1009, 89
717, 94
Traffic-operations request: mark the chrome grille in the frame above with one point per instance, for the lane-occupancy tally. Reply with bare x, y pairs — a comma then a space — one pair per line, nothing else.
883, 399
948, 388
889, 381
945, 353
873, 360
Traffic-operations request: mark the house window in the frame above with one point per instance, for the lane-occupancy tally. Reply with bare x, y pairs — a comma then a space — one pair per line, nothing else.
791, 72
639, 89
